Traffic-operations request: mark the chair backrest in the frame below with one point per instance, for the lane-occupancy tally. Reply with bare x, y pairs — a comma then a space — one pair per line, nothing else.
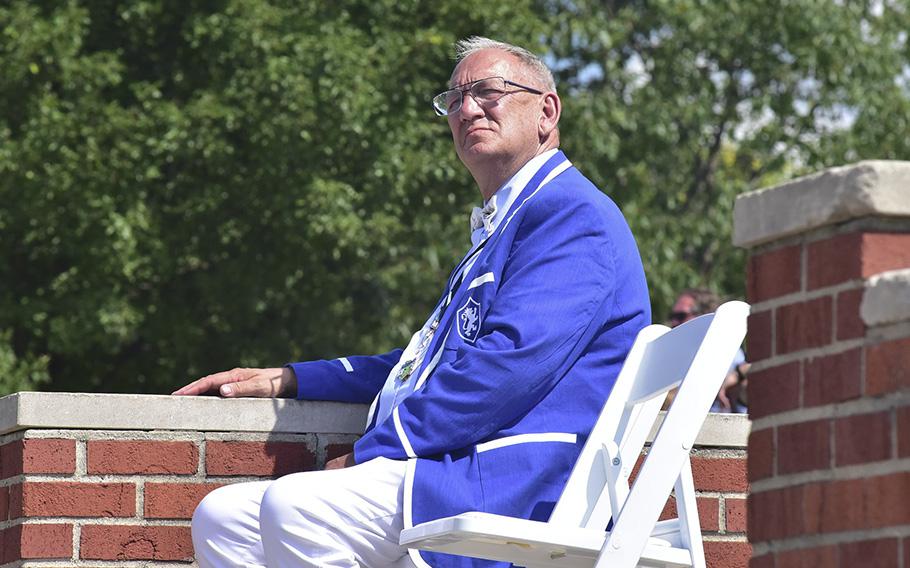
695, 357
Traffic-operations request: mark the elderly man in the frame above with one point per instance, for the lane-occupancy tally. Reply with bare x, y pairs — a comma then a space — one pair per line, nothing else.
489, 404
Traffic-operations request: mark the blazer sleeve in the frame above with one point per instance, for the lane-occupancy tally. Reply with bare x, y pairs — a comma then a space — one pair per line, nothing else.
346, 379
555, 291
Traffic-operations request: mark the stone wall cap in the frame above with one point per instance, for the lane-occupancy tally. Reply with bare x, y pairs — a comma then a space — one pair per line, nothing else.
886, 298
84, 411
871, 187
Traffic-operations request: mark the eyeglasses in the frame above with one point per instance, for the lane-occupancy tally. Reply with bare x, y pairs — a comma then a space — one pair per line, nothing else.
678, 316
483, 91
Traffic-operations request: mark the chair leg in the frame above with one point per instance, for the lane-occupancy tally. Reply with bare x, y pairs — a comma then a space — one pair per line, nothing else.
687, 510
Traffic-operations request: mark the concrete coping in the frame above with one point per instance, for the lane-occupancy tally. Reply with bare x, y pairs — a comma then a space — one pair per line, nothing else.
886, 298
83, 411
869, 188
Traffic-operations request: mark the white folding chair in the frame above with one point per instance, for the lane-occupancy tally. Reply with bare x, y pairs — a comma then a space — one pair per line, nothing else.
695, 357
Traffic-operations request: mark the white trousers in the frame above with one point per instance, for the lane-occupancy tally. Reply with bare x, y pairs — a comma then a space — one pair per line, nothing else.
347, 518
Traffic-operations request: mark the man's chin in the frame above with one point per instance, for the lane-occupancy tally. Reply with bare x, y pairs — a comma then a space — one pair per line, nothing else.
478, 150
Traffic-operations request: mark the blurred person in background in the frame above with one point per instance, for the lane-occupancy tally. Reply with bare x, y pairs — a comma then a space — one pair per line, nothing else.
694, 302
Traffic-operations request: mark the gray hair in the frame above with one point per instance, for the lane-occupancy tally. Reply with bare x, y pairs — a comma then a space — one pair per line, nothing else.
535, 64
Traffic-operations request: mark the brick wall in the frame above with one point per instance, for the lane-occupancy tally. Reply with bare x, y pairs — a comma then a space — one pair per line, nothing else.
88, 495
720, 483
830, 385
81, 496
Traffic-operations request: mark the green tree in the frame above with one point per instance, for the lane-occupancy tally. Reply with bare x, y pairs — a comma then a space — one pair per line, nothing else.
677, 106
190, 185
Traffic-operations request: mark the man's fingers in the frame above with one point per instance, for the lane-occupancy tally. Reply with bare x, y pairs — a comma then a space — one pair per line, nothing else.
265, 383
199, 386
249, 387
214, 382
242, 382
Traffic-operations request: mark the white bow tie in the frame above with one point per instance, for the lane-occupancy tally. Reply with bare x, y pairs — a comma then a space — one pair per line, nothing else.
483, 218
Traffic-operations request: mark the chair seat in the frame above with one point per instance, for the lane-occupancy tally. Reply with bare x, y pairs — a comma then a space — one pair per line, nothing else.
528, 543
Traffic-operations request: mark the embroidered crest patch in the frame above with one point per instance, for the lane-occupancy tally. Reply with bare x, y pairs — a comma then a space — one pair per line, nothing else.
469, 320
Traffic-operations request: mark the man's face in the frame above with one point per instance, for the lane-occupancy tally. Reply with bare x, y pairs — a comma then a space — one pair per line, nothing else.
504, 129
682, 311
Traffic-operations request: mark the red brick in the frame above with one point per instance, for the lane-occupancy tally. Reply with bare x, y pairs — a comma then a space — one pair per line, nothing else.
11, 459
859, 504
69, 499
803, 447
47, 541
834, 260
764, 526
141, 457
884, 251
880, 553
759, 336
888, 367
175, 500
773, 390
4, 504
708, 512
29, 541
903, 434
811, 495
832, 378
774, 274
764, 561
760, 456
862, 438
333, 451
15, 501
803, 325
720, 474
849, 322
795, 510
116, 542
736, 513
808, 557
727, 554
9, 544
38, 455
257, 458
49, 456
839, 506
781, 513
907, 552
886, 500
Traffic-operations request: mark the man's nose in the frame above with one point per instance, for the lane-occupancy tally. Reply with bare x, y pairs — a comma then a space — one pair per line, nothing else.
469, 107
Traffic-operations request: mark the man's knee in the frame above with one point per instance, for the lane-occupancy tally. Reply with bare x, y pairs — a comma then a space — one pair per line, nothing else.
229, 506
285, 498
212, 510
304, 502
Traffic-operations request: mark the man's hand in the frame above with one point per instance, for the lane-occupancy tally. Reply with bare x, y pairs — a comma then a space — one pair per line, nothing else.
264, 383
341, 462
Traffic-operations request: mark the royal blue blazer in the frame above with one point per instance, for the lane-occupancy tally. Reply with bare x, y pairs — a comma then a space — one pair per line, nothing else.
531, 345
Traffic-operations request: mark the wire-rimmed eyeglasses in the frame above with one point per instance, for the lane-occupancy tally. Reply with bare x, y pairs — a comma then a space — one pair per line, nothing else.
483, 91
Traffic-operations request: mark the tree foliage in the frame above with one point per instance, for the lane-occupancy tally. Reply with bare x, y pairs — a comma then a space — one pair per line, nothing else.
190, 185
677, 106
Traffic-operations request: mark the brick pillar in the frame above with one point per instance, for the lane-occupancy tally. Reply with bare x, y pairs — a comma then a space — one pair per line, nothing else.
829, 283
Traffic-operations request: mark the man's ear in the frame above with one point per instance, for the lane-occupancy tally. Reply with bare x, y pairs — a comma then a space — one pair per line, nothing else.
549, 116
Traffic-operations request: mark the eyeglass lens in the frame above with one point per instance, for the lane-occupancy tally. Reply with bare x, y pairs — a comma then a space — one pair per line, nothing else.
483, 91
